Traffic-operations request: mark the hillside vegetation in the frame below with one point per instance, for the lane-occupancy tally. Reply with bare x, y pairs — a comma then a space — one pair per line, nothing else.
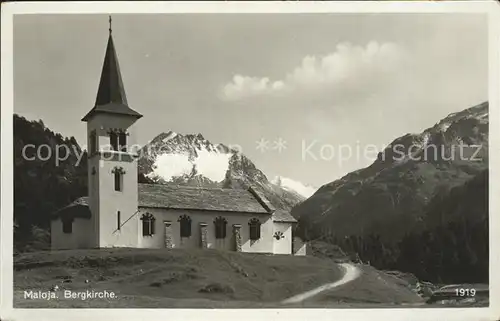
43, 184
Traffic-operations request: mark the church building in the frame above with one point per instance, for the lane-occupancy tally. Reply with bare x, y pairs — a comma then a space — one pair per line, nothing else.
119, 212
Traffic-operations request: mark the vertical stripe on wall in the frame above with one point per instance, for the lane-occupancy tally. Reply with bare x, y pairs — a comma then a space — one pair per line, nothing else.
203, 235
237, 237
168, 235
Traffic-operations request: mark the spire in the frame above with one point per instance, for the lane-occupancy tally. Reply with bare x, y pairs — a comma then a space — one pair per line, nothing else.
111, 89
111, 96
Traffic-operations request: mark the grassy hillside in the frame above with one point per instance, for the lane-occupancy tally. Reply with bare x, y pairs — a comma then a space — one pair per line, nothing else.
372, 287
187, 278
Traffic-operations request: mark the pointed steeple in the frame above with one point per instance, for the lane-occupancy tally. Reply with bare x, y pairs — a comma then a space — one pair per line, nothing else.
111, 96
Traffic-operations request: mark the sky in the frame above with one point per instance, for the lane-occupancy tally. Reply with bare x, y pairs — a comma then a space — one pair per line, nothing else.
295, 92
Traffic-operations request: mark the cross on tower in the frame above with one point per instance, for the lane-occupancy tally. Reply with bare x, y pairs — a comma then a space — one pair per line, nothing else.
110, 25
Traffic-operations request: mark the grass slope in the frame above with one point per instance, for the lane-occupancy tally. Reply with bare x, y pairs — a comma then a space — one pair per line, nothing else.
372, 287
185, 278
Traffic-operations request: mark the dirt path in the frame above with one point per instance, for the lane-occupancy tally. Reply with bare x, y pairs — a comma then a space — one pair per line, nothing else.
351, 272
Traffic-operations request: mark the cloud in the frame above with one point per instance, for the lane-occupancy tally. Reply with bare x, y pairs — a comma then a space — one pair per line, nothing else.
348, 67
244, 86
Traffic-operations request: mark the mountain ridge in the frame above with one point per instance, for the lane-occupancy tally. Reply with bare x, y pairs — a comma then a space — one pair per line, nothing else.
388, 197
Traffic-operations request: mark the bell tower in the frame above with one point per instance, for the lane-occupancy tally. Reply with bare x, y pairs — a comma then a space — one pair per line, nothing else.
112, 164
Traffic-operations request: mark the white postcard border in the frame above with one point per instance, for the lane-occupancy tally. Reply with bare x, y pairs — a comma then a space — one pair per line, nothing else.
6, 219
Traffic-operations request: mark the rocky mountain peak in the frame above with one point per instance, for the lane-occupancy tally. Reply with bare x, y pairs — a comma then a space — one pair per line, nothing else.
192, 159
389, 196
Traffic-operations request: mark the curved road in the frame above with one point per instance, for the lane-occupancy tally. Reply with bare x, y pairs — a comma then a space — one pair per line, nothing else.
351, 272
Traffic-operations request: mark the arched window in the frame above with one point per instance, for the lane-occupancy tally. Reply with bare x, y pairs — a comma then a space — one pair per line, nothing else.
148, 224
254, 225
220, 227
118, 181
122, 141
185, 225
113, 140
118, 173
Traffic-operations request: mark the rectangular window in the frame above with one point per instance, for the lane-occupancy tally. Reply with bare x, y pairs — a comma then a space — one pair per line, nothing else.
185, 226
220, 232
93, 143
254, 232
220, 227
122, 141
148, 224
254, 229
113, 139
67, 226
118, 220
118, 181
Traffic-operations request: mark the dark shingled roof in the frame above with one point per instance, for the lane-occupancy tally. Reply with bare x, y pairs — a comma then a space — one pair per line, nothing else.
199, 198
283, 217
262, 199
111, 96
77, 209
171, 196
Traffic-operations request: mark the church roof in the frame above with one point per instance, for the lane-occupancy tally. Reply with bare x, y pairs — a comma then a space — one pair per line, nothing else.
200, 198
79, 208
111, 96
172, 196
283, 217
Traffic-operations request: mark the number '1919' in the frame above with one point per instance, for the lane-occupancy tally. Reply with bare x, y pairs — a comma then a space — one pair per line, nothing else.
465, 292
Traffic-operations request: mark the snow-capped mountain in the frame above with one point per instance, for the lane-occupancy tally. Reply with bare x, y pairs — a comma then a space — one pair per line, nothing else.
171, 155
192, 159
294, 186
